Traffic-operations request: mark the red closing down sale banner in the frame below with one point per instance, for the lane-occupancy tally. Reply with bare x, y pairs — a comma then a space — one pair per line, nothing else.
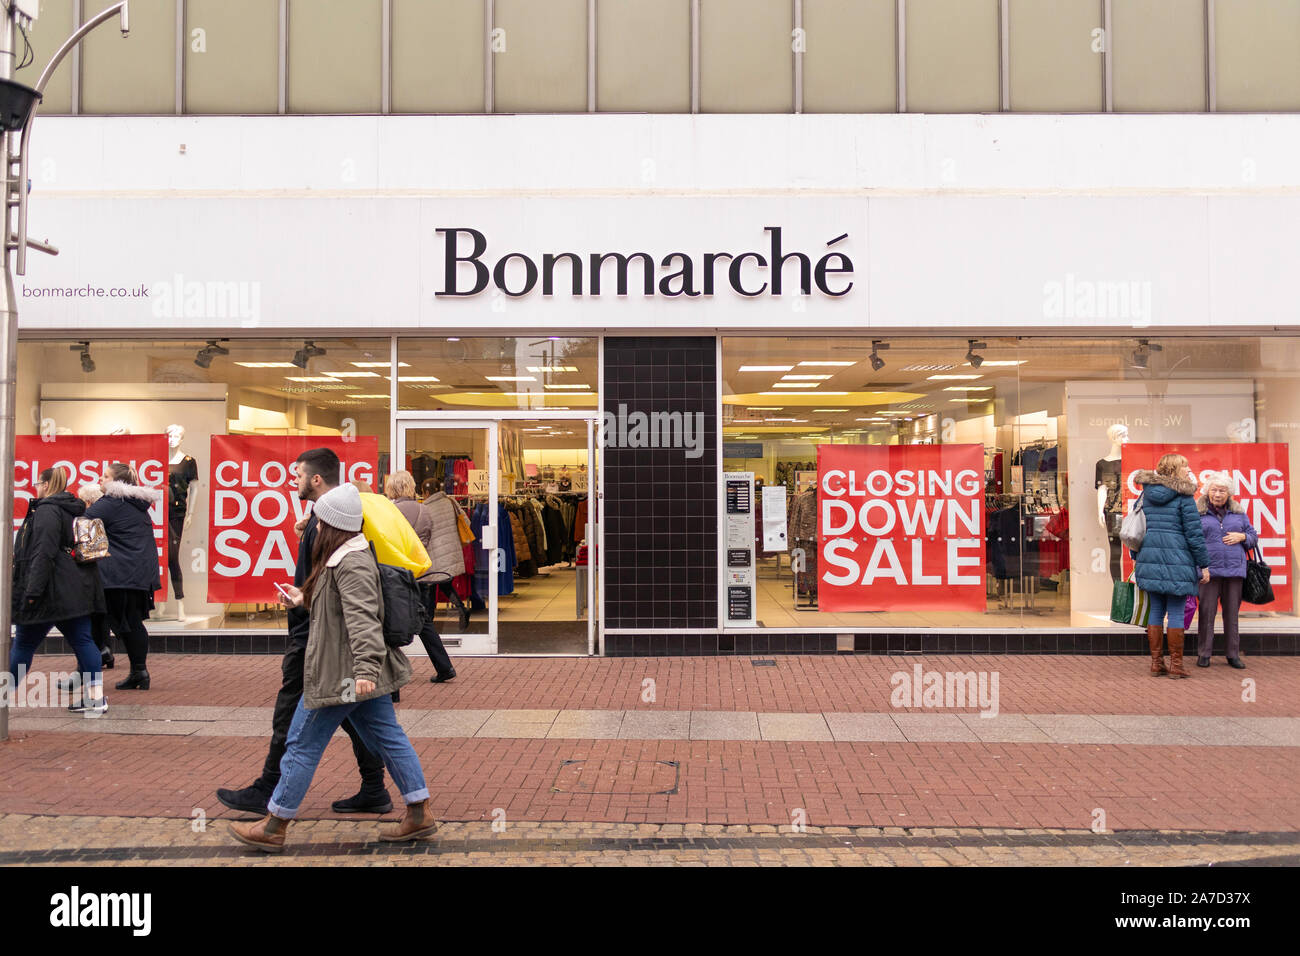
254, 506
900, 527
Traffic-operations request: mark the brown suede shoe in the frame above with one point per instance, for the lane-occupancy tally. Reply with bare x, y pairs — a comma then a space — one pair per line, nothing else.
1156, 641
414, 825
266, 834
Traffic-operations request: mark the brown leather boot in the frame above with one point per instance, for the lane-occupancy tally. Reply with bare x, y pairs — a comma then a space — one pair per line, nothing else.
1156, 640
414, 825
266, 834
1176, 653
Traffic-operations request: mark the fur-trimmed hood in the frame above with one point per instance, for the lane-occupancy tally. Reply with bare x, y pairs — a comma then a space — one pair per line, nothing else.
1232, 504
1179, 486
138, 495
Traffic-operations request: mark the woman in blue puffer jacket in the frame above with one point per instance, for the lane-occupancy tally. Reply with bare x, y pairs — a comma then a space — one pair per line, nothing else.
1228, 536
1172, 558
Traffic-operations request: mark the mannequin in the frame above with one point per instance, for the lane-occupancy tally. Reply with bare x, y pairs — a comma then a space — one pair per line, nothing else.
182, 473
1110, 500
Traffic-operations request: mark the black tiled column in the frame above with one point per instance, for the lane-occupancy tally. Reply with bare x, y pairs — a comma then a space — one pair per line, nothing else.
661, 510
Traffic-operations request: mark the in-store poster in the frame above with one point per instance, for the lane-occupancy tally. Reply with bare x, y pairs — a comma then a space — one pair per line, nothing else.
84, 458
900, 527
1263, 487
254, 506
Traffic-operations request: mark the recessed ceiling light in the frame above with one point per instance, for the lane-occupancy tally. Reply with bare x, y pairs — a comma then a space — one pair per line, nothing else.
998, 362
830, 409
355, 374
794, 385
371, 395
414, 378
766, 368
926, 368
828, 364
764, 408
953, 378
780, 419
379, 364
569, 386
552, 368
510, 378
266, 364
746, 421
806, 378
969, 388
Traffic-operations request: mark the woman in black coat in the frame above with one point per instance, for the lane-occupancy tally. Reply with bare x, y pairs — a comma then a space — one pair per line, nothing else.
130, 572
50, 589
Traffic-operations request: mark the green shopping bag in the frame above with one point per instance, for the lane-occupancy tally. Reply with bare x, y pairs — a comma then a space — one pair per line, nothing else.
1129, 604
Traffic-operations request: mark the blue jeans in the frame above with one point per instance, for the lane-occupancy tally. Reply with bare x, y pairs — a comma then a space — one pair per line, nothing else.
28, 637
1162, 604
376, 724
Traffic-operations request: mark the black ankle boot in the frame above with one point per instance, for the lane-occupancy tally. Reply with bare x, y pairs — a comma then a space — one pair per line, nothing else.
136, 680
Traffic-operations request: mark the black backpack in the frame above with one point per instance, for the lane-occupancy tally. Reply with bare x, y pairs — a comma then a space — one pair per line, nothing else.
404, 614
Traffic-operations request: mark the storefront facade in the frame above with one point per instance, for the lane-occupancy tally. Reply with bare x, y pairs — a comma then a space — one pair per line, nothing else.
930, 351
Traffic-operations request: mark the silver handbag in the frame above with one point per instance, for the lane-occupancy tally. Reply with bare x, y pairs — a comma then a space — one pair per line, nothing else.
89, 540
1134, 527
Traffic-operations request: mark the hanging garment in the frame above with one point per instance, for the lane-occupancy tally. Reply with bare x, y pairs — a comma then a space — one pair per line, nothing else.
505, 543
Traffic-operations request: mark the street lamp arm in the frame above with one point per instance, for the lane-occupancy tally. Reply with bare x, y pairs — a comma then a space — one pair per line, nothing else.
23, 149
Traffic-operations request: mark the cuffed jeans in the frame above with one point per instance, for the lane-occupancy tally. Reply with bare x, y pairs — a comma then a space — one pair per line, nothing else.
286, 704
1227, 591
28, 637
375, 721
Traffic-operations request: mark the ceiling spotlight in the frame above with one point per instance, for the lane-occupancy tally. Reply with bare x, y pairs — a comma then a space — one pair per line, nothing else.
305, 354
877, 363
210, 351
1142, 354
975, 360
87, 363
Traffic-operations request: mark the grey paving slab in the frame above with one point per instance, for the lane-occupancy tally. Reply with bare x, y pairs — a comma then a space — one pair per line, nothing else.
724, 725
873, 727
794, 727
518, 723
110, 725
448, 723
1147, 730
933, 728
234, 728
46, 722
1074, 729
655, 725
1284, 731
1005, 729
1223, 731
587, 724
126, 711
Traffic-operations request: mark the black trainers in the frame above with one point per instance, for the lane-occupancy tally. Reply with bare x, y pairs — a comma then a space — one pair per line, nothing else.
249, 800
87, 707
364, 803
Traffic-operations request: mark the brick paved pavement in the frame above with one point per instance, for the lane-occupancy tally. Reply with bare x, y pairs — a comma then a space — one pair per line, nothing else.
1141, 781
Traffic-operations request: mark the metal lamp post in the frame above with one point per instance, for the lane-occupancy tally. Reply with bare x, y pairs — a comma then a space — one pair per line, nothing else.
17, 112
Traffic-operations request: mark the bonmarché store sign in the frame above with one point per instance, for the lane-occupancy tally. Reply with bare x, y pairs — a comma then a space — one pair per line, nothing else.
469, 270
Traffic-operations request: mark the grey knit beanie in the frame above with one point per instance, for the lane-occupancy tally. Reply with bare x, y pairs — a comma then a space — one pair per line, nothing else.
340, 508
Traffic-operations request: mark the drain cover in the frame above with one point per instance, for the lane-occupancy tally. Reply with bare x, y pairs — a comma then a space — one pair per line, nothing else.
616, 776
763, 663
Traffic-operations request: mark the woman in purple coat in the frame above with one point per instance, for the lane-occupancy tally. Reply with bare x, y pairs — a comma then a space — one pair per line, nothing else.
1228, 536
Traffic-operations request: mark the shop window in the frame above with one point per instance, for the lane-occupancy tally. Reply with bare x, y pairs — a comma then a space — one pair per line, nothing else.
746, 59
643, 56
232, 56
438, 52
952, 56
539, 56
507, 374
136, 74
335, 56
46, 35
245, 408
1257, 46
1056, 56
1055, 429
850, 63
1159, 56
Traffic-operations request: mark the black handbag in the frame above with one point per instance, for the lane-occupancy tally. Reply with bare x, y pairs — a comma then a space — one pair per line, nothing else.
1257, 589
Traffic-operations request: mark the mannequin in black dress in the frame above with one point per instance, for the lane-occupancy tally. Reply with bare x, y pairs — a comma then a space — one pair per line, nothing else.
182, 473
1110, 499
